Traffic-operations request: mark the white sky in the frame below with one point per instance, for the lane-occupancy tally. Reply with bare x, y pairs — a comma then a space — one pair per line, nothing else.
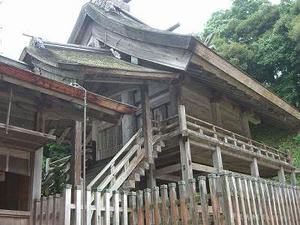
53, 20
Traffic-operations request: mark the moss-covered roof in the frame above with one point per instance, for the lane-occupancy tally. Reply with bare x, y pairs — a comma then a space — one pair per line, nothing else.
95, 59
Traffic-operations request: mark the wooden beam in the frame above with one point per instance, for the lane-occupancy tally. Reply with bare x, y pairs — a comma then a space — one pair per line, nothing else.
168, 177
147, 124
75, 169
168, 169
203, 168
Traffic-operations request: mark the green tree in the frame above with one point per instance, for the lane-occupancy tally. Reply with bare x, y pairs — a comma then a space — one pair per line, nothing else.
263, 40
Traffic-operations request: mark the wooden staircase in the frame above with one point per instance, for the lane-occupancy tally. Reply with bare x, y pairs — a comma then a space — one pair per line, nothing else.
126, 167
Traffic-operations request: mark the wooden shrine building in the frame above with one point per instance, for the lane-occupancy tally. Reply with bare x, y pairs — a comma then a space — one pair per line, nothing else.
162, 107
194, 107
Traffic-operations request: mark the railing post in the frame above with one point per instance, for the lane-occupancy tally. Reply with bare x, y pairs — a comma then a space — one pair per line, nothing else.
184, 145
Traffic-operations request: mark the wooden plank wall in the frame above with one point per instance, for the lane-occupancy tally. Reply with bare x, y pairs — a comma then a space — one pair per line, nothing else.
222, 199
198, 102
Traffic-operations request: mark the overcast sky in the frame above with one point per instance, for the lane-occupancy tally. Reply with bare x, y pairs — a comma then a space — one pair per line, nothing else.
53, 20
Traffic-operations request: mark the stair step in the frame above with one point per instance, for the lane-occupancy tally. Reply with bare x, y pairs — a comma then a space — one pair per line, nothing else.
157, 148
141, 171
162, 144
129, 184
135, 176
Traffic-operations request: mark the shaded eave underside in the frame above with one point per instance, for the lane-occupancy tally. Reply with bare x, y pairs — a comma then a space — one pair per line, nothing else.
23, 139
20, 76
185, 48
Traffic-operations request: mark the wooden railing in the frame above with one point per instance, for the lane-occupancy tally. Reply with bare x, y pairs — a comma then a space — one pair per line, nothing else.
221, 136
233, 140
120, 167
230, 200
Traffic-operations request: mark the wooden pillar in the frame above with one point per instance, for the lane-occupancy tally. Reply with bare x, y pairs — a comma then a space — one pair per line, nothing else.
281, 175
147, 124
245, 124
150, 176
184, 145
95, 137
215, 110
293, 178
174, 91
254, 168
217, 159
75, 169
128, 121
36, 162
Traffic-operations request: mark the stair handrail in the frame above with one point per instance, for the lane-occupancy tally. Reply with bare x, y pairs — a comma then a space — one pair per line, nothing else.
114, 159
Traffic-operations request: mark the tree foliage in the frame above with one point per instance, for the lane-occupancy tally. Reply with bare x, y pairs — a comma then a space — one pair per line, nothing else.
263, 40
56, 184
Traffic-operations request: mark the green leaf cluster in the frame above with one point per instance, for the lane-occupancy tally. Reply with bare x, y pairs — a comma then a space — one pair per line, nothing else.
263, 40
56, 184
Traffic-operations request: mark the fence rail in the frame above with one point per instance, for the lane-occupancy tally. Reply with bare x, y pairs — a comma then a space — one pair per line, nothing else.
219, 199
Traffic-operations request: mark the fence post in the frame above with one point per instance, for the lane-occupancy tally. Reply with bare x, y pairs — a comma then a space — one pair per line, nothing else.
229, 217
49, 219
107, 195
140, 207
98, 206
67, 205
203, 199
164, 206
88, 200
37, 211
192, 192
182, 200
78, 204
124, 205
155, 199
132, 206
244, 181
235, 200
116, 213
173, 205
273, 197
147, 197
242, 198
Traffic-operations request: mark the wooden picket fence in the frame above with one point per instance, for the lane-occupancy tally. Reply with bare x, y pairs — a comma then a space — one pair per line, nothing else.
220, 199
